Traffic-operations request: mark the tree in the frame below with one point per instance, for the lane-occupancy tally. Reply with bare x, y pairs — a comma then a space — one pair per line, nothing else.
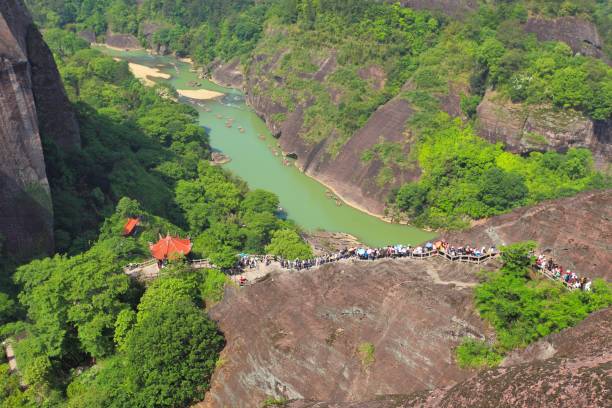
500, 190
287, 244
171, 354
412, 198
518, 257
259, 201
570, 89
7, 308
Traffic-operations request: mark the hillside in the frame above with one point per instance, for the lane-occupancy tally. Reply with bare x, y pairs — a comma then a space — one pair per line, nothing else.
297, 335
566, 369
353, 90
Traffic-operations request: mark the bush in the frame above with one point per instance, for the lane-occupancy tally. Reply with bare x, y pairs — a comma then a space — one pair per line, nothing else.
366, 352
522, 310
287, 244
473, 353
213, 286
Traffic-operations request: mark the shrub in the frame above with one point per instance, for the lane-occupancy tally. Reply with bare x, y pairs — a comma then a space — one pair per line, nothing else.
473, 353
366, 352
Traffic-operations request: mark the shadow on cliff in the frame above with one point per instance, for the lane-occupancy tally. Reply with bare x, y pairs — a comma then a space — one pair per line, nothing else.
26, 216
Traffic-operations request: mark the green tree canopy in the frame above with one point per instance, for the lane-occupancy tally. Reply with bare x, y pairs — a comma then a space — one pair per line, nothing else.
288, 244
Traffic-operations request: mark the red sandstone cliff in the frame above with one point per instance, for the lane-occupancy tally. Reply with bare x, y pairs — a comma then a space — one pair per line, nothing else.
296, 335
570, 369
32, 102
577, 231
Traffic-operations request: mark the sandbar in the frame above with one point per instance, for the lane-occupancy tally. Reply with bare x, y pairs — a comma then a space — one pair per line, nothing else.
143, 73
199, 94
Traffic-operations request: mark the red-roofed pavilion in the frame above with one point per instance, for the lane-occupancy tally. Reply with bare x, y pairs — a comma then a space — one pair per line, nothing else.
130, 226
170, 248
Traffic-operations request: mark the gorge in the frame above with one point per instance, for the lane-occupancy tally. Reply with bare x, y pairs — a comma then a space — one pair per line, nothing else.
190, 135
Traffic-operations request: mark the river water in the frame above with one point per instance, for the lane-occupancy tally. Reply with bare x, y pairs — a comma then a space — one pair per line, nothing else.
256, 158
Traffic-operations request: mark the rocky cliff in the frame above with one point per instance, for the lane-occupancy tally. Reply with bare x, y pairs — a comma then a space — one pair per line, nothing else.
524, 129
32, 102
570, 369
580, 34
301, 335
364, 183
577, 231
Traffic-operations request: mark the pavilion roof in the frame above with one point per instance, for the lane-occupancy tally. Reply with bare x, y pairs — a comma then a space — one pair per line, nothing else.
170, 247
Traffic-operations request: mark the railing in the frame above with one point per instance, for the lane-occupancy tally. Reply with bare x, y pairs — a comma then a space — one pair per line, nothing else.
136, 269
133, 267
548, 274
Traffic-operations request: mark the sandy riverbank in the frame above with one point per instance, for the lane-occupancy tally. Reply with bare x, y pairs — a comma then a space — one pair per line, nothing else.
199, 94
143, 73
110, 47
352, 203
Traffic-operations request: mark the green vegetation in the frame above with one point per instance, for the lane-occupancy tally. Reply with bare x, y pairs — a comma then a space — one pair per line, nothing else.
522, 309
287, 244
465, 177
274, 402
373, 52
370, 49
86, 335
473, 353
366, 352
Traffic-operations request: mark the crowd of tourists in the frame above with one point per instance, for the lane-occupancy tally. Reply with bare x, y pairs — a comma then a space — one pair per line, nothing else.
370, 254
556, 271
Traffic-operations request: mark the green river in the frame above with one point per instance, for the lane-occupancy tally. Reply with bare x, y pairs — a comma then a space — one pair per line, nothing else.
256, 158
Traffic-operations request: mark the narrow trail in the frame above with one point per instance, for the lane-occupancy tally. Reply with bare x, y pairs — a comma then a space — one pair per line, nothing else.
149, 270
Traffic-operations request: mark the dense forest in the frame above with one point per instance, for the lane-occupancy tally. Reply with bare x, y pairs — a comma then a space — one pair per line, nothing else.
86, 335
152, 346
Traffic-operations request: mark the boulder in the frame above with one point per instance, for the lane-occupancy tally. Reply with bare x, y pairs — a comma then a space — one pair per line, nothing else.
228, 74
122, 41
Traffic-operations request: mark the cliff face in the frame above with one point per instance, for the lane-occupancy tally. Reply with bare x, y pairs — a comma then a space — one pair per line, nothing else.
576, 231
32, 101
579, 34
568, 369
364, 183
298, 335
524, 128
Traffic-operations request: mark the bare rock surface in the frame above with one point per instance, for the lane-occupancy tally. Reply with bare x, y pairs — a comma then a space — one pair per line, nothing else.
581, 35
123, 41
575, 374
228, 74
354, 178
524, 128
298, 334
576, 231
32, 102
